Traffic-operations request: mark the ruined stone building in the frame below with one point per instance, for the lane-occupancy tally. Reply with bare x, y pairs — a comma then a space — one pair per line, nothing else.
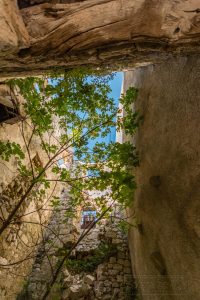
20, 240
158, 44
98, 267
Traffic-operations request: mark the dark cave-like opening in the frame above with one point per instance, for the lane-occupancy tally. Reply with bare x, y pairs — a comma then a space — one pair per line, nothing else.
28, 3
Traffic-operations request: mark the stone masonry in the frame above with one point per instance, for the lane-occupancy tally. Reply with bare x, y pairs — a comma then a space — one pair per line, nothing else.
60, 233
111, 279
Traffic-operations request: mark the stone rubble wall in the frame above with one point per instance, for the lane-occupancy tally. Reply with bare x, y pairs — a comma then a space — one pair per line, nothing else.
113, 278
19, 242
34, 249
91, 240
60, 233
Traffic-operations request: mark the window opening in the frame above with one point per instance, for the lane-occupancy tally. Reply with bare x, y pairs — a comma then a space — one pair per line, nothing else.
88, 217
9, 112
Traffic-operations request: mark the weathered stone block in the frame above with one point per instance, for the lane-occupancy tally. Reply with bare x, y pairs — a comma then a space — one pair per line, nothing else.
120, 278
32, 286
107, 283
116, 241
128, 278
3, 261
112, 259
89, 279
75, 292
127, 270
101, 278
113, 272
120, 261
121, 255
115, 284
127, 263
117, 267
107, 297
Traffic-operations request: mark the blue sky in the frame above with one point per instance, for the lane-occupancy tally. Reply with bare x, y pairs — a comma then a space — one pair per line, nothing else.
115, 85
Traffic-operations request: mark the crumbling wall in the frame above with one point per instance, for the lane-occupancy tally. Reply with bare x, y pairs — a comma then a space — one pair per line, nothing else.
19, 242
59, 236
112, 279
109, 278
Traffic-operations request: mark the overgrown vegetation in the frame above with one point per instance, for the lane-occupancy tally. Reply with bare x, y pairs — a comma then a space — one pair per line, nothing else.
91, 261
64, 113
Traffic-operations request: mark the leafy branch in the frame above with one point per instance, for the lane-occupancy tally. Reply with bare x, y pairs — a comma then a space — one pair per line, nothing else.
66, 114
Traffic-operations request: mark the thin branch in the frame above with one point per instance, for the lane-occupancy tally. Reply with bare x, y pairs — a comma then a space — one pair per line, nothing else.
41, 207
45, 226
27, 149
27, 245
70, 251
44, 246
30, 139
19, 261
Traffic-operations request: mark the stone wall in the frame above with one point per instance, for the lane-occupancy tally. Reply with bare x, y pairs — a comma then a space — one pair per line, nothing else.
39, 235
19, 242
111, 278
114, 279
60, 234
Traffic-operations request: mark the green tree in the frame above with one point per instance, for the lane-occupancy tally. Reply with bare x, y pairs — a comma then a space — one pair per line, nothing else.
75, 108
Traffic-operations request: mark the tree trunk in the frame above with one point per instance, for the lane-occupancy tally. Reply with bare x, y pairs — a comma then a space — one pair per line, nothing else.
113, 33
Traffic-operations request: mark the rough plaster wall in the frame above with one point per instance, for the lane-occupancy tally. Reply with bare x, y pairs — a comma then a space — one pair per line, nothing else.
165, 248
13, 133
18, 240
